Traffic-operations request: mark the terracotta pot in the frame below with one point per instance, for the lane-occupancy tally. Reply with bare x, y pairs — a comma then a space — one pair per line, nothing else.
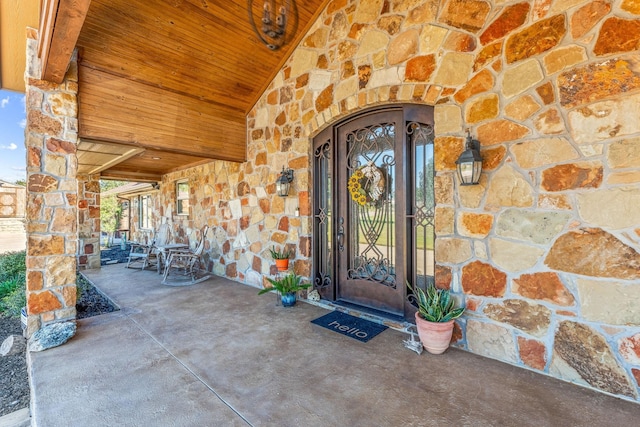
282, 264
435, 336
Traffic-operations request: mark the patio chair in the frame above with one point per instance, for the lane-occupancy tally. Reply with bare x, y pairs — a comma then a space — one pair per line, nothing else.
186, 263
147, 254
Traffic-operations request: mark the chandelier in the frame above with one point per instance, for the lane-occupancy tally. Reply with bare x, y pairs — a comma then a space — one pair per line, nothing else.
278, 21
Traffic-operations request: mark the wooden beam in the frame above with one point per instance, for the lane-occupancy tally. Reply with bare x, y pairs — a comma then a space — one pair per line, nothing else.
190, 165
108, 146
142, 146
131, 176
60, 28
87, 65
132, 152
126, 112
45, 28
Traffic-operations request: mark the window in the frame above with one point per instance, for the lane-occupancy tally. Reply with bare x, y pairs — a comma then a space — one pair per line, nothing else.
144, 203
182, 198
422, 137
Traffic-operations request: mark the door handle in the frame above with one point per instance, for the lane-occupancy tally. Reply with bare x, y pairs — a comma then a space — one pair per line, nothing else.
341, 234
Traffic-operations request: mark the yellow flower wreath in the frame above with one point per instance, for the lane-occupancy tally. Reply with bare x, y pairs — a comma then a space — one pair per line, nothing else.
366, 184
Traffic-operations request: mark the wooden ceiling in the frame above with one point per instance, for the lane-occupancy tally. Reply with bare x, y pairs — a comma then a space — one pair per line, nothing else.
165, 85
15, 17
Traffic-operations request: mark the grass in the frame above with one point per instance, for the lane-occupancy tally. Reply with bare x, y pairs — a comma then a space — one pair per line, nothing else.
422, 241
12, 283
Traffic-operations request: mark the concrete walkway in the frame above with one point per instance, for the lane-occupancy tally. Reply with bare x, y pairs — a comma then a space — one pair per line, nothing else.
217, 354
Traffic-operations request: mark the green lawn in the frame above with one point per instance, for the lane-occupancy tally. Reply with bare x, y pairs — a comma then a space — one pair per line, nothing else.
423, 242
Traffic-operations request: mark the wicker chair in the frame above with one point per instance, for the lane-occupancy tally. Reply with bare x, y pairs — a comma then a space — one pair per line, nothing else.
186, 263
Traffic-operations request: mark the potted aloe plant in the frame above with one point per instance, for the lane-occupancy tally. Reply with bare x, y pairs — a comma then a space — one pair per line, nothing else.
287, 286
281, 258
434, 318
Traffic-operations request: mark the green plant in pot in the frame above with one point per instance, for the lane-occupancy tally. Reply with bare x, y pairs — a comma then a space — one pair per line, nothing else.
287, 286
435, 317
281, 258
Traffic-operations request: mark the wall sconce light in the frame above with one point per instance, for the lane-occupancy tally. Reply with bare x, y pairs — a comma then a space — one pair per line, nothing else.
470, 162
283, 183
278, 19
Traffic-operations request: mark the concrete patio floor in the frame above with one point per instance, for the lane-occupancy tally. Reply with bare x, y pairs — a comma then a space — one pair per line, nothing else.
217, 354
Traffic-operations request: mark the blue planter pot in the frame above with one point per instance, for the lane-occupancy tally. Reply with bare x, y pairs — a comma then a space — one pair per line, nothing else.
288, 300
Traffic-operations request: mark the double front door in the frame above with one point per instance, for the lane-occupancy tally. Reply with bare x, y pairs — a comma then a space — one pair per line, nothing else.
370, 187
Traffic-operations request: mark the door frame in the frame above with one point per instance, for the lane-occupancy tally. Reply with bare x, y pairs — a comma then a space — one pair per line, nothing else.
325, 225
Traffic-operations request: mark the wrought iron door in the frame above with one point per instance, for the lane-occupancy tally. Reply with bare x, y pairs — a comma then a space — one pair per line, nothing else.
370, 152
371, 208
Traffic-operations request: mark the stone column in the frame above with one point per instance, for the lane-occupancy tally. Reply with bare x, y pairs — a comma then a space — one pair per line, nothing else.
51, 217
89, 221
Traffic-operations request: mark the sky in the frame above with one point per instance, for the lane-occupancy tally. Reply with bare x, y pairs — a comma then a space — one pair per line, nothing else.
12, 150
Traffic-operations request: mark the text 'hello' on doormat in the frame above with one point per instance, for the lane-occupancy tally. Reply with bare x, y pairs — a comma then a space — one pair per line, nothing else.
351, 326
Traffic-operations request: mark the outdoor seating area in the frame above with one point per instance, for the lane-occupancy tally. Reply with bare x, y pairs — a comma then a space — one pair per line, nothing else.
148, 253
218, 354
178, 263
185, 263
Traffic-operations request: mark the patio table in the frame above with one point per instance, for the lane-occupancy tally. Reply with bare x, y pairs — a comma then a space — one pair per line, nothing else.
163, 251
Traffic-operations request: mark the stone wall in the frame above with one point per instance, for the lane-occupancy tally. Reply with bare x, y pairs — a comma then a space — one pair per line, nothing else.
545, 250
52, 194
88, 221
245, 216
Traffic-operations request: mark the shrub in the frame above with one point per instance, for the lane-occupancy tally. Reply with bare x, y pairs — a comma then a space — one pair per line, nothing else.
12, 283
13, 302
12, 263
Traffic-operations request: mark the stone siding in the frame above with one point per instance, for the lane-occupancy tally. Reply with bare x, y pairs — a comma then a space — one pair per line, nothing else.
545, 249
245, 216
51, 136
88, 221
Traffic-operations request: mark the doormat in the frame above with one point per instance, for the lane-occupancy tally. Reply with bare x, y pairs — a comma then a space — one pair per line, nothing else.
351, 326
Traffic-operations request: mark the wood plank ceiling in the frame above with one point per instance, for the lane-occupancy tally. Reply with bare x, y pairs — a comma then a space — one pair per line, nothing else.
164, 85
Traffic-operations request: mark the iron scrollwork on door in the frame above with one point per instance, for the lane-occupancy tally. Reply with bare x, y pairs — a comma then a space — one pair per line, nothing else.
422, 214
370, 170
323, 218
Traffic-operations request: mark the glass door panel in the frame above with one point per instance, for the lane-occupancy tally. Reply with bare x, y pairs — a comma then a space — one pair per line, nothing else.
371, 152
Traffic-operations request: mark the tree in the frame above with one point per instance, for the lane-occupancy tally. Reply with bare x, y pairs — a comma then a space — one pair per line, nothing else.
107, 184
110, 213
424, 187
110, 209
21, 182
